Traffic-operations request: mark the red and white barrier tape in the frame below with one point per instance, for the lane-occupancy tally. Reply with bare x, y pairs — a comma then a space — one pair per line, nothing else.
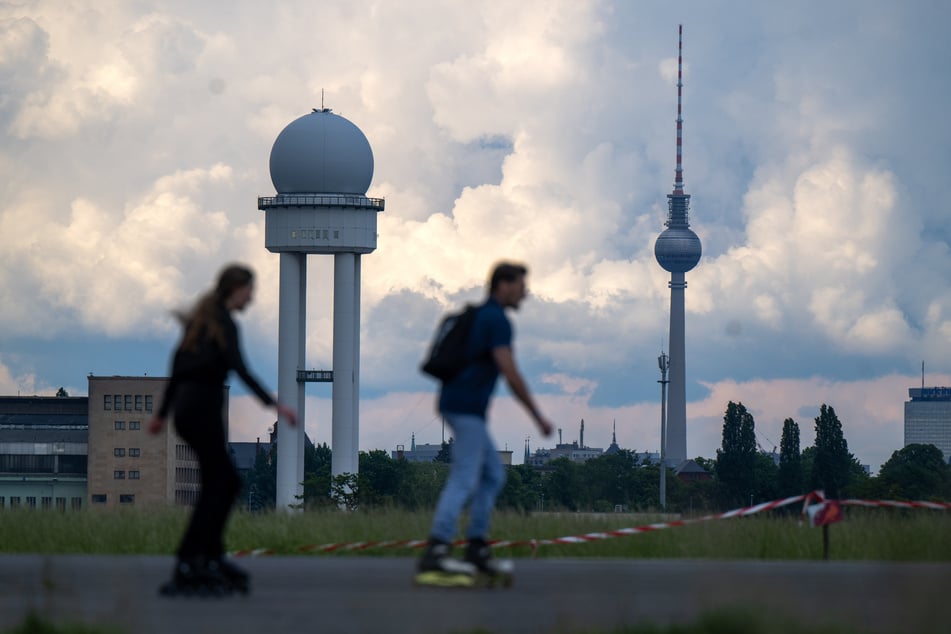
813, 497
622, 532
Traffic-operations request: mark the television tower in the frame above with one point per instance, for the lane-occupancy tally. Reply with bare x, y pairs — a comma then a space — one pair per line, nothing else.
677, 250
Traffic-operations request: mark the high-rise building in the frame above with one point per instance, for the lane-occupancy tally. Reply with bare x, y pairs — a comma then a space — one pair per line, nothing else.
928, 418
677, 250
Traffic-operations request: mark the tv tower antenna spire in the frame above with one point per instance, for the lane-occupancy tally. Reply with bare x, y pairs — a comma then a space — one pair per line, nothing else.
679, 171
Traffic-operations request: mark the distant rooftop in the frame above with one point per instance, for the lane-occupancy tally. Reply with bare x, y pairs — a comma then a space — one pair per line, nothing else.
44, 411
930, 393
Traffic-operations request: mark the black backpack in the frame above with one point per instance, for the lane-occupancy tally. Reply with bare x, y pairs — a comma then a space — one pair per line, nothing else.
447, 352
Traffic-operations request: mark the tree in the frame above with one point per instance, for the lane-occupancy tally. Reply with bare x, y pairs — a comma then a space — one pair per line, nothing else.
789, 476
916, 472
61, 393
380, 477
522, 488
833, 463
445, 452
764, 476
610, 480
562, 484
345, 491
736, 460
422, 484
260, 486
317, 480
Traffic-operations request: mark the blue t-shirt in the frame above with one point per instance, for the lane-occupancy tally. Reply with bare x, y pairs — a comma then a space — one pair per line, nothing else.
470, 391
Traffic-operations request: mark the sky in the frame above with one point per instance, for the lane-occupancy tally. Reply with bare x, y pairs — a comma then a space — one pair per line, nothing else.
135, 138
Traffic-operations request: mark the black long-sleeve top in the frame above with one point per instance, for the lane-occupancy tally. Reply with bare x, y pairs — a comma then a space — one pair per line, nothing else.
209, 364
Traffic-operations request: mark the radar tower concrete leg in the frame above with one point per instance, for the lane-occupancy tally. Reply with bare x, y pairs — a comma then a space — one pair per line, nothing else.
290, 358
345, 327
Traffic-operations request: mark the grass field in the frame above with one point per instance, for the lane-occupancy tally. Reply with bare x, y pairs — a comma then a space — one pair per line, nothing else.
866, 534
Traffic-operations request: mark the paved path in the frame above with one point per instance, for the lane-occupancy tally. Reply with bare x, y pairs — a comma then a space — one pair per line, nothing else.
375, 595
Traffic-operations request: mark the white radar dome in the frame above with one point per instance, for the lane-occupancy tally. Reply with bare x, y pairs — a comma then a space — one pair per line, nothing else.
321, 153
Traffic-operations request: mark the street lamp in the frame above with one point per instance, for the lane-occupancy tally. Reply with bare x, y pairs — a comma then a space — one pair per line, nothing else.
663, 362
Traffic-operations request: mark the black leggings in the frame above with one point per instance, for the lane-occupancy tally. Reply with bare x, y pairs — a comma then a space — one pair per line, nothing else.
198, 420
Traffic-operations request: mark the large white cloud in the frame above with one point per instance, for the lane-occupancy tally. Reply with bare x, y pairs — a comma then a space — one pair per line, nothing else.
135, 140
114, 272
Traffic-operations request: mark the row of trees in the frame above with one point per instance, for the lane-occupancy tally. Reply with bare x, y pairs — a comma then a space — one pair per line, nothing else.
915, 472
599, 484
744, 471
741, 474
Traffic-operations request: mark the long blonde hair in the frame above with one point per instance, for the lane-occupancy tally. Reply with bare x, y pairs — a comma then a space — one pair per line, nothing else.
202, 320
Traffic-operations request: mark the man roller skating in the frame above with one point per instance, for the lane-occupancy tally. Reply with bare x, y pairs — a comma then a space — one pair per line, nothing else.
476, 474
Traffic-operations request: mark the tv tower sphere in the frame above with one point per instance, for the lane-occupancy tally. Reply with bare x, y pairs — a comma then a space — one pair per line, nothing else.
321, 152
677, 249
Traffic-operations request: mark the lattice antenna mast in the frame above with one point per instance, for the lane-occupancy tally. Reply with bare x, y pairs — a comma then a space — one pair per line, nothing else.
678, 202
679, 172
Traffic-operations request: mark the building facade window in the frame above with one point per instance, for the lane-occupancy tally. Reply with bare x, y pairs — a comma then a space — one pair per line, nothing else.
138, 402
14, 501
135, 424
119, 452
128, 402
97, 498
46, 502
117, 402
148, 402
27, 463
120, 424
73, 463
134, 452
3, 501
31, 501
133, 475
126, 498
60, 504
184, 452
107, 402
118, 474
77, 503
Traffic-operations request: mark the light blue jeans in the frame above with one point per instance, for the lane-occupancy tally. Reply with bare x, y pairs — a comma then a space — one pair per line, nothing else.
476, 477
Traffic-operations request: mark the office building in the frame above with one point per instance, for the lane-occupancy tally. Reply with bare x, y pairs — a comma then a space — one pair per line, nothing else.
928, 418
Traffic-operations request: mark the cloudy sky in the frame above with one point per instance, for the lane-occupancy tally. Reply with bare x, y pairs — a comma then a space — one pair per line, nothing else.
135, 136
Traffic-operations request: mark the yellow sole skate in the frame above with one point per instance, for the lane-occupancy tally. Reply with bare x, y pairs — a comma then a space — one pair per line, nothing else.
444, 579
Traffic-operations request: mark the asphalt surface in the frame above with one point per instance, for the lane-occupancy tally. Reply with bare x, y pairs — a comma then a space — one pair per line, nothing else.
375, 595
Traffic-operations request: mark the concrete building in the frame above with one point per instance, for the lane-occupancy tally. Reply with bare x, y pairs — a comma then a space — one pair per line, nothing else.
575, 451
43, 452
127, 465
428, 453
928, 418
416, 453
70, 452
